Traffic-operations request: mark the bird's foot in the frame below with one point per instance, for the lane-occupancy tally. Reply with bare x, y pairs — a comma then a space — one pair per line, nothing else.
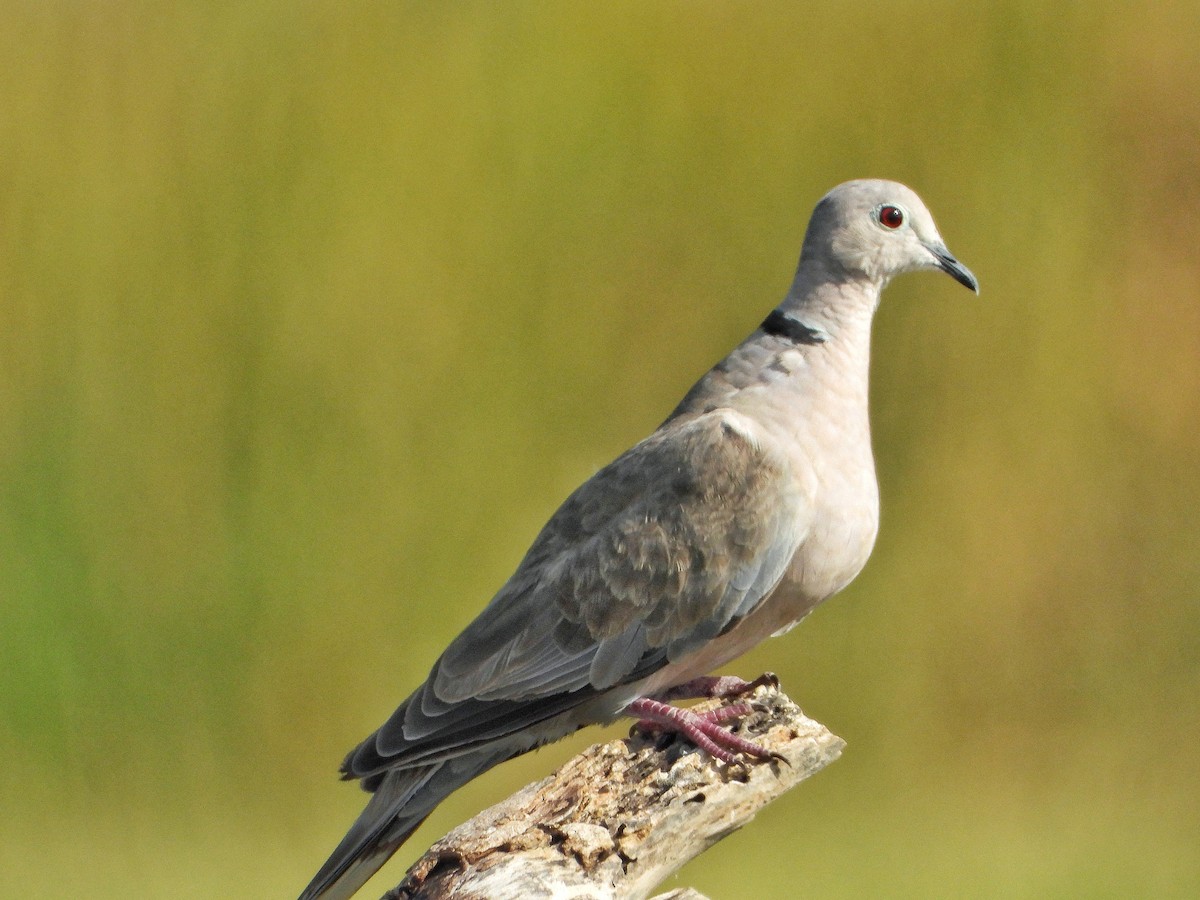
704, 729
708, 686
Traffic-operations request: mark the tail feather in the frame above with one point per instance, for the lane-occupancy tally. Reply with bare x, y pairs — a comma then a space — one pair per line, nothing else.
399, 805
373, 837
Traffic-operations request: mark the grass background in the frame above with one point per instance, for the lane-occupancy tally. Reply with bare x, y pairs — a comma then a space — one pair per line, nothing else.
311, 313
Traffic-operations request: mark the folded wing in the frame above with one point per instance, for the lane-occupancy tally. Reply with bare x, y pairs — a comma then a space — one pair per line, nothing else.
658, 553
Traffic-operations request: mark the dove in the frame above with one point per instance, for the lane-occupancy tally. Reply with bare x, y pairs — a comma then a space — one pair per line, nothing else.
754, 501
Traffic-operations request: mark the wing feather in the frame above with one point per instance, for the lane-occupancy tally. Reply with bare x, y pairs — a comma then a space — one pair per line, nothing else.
657, 554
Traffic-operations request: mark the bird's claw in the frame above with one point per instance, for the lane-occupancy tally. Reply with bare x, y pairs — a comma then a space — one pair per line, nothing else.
704, 729
718, 686
766, 679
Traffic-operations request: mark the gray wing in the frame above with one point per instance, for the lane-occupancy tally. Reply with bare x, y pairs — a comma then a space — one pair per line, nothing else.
658, 553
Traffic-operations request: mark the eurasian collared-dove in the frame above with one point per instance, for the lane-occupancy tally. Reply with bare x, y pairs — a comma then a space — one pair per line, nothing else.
754, 501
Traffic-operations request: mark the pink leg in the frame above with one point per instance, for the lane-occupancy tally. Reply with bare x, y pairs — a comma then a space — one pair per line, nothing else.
705, 730
717, 686
714, 716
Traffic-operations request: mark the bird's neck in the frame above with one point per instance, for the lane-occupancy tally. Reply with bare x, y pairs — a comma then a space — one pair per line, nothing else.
816, 343
833, 304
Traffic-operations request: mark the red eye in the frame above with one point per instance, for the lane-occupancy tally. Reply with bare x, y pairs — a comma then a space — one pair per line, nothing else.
891, 216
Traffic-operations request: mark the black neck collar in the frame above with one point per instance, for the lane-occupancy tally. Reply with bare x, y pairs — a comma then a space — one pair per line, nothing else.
780, 324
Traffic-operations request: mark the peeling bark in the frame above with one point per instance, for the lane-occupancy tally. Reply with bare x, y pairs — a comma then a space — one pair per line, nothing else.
621, 817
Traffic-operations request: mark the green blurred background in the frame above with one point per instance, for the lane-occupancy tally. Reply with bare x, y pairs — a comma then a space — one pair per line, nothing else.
312, 313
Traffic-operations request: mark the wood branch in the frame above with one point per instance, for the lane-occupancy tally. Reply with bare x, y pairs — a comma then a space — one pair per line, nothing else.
619, 818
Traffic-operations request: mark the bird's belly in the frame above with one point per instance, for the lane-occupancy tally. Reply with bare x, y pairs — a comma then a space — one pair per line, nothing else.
832, 555
751, 631
830, 558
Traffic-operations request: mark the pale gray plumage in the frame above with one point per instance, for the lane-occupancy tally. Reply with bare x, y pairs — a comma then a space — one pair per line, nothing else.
753, 502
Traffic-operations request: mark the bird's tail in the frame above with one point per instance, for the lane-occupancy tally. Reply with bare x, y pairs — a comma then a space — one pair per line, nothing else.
399, 805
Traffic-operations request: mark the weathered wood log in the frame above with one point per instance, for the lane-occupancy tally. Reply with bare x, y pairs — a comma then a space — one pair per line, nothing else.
618, 819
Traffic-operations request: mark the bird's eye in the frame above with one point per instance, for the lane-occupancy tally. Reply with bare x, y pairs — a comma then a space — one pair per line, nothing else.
890, 216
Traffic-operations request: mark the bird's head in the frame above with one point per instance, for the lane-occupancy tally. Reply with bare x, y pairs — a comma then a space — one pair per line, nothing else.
876, 230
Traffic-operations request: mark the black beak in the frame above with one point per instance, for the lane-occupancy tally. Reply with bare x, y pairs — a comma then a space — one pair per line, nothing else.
952, 267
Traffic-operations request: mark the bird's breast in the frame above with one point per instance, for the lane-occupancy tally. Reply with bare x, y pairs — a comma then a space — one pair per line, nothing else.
834, 470
834, 552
